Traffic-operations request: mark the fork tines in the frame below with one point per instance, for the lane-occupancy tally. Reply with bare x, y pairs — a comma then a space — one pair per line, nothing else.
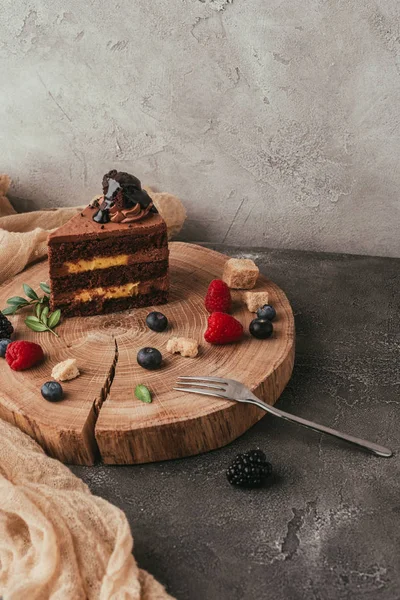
209, 386
205, 379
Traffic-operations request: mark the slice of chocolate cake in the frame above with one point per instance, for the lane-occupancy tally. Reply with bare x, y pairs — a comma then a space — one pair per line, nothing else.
112, 256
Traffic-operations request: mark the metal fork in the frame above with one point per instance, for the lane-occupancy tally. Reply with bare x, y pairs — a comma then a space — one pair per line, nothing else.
233, 390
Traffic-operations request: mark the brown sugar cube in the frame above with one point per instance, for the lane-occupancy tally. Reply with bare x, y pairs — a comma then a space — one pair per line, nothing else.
185, 346
240, 273
255, 300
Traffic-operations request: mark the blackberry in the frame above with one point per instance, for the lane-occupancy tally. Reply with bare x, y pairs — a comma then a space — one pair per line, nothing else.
249, 469
6, 329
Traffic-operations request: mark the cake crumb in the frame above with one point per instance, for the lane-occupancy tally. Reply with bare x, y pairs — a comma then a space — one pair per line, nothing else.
65, 370
240, 273
185, 346
255, 300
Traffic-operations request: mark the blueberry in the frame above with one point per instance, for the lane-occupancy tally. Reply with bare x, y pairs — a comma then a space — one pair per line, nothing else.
156, 321
52, 391
149, 358
261, 328
3, 346
266, 312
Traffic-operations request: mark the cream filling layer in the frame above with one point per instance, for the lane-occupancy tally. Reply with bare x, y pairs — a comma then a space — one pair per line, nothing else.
99, 262
115, 291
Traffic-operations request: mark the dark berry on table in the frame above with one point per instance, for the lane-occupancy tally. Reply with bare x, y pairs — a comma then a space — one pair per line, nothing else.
261, 328
6, 329
3, 346
249, 469
149, 358
52, 391
156, 321
266, 312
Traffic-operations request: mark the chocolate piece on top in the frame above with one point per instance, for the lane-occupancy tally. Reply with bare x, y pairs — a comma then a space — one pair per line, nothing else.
124, 199
103, 214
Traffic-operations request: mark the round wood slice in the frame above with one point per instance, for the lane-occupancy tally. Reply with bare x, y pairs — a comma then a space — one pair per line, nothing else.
100, 416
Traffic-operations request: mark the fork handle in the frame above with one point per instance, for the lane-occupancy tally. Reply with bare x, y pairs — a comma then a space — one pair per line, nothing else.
374, 448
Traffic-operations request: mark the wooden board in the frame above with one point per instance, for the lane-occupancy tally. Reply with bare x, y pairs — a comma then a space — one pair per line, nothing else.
100, 416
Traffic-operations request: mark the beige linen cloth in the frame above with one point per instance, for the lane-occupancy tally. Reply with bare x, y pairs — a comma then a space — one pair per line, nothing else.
57, 540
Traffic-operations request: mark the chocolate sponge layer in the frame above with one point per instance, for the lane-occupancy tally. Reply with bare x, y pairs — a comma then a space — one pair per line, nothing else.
103, 306
109, 277
88, 249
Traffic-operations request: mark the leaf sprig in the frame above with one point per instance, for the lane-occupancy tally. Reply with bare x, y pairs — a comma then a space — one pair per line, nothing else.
17, 302
42, 320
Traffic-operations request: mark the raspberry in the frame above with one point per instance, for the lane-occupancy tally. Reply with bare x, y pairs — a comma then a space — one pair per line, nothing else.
218, 298
223, 329
23, 355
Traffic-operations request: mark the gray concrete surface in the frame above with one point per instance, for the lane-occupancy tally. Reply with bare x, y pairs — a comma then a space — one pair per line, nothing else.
276, 122
327, 526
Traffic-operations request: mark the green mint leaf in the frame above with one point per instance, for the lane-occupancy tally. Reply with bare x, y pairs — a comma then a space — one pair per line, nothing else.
18, 300
34, 324
10, 310
38, 310
142, 393
32, 319
44, 314
30, 292
45, 287
54, 319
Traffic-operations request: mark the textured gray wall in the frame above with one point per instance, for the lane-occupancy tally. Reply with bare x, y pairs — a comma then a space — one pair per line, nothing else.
277, 122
